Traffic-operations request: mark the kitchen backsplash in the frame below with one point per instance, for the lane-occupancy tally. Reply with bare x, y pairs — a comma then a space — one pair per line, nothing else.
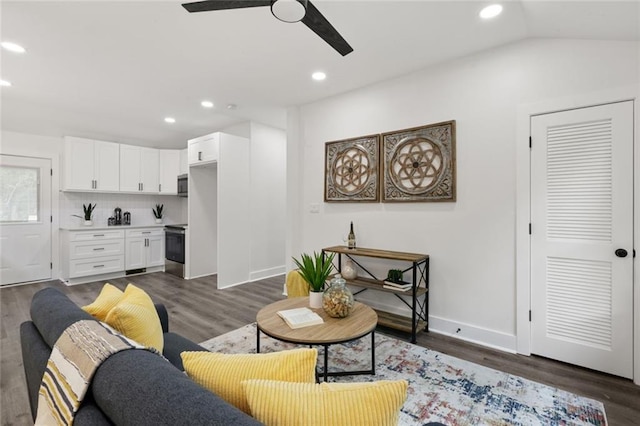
175, 208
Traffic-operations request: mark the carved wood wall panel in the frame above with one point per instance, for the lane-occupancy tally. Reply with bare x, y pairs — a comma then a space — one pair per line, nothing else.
352, 169
419, 164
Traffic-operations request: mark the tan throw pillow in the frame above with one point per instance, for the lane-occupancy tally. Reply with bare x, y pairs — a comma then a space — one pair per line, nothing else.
107, 299
326, 404
222, 374
136, 317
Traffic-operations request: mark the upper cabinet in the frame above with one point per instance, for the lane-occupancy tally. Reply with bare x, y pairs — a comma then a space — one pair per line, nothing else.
169, 170
91, 165
139, 169
204, 150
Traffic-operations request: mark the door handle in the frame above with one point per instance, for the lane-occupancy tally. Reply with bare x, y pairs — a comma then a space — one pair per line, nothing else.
199, 155
621, 253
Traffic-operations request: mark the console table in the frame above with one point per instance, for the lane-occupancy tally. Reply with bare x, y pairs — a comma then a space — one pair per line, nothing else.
416, 299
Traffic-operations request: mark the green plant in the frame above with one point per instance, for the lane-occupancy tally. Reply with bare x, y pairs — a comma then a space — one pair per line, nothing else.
315, 269
157, 212
394, 275
88, 211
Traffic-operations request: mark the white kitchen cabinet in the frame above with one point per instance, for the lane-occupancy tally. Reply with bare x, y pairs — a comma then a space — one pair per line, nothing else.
91, 165
144, 248
139, 169
89, 253
169, 171
204, 150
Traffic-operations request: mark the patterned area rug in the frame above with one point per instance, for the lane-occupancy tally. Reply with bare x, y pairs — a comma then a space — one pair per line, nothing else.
441, 388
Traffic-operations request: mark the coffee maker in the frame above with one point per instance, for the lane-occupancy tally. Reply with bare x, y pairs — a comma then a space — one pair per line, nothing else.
126, 218
117, 215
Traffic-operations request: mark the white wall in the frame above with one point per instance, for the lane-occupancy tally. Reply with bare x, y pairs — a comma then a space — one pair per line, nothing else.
268, 200
471, 242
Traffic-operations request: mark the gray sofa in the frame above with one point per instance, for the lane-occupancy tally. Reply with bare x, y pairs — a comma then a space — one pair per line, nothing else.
132, 387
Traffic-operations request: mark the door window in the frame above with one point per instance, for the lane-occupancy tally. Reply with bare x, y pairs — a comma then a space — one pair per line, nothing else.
19, 194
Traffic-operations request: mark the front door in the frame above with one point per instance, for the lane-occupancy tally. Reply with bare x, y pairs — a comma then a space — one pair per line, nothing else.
582, 237
25, 219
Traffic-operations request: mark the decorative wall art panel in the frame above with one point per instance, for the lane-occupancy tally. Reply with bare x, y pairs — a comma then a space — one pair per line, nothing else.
351, 169
419, 164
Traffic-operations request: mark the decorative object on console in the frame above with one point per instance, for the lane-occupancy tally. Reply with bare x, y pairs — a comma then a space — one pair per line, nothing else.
351, 169
419, 164
157, 212
351, 238
315, 270
88, 211
349, 270
337, 300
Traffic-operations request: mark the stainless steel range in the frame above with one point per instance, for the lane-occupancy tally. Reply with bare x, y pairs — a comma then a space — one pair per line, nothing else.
174, 247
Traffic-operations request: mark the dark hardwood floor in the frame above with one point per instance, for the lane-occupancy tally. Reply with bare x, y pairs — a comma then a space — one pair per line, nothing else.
199, 311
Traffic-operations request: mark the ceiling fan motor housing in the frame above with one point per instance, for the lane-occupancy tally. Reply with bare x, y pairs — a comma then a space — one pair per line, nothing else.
289, 10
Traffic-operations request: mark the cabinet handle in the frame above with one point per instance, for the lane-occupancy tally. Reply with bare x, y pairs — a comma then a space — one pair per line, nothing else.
199, 155
98, 266
146, 232
142, 186
159, 187
98, 235
98, 249
96, 184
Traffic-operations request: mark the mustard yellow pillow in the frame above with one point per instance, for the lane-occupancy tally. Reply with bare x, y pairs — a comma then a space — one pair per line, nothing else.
335, 404
223, 373
108, 298
136, 317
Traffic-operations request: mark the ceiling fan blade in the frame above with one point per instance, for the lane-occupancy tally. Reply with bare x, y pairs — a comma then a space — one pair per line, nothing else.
319, 25
207, 5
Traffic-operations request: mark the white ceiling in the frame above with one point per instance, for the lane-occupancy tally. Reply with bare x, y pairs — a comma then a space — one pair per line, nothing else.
113, 70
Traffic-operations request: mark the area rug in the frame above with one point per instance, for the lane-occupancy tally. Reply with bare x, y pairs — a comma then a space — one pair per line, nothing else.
442, 388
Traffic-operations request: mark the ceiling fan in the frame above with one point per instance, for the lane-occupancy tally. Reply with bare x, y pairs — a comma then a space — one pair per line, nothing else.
286, 11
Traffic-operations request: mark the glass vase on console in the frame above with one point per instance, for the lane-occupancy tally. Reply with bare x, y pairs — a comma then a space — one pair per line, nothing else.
337, 300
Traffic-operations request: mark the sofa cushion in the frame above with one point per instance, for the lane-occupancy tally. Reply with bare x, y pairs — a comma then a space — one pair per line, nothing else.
108, 298
223, 373
335, 404
136, 317
52, 312
140, 388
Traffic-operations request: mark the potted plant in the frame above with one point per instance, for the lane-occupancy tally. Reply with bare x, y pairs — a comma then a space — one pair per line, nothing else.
315, 270
157, 212
88, 211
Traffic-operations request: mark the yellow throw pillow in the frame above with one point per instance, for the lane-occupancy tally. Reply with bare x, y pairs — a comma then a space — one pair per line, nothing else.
136, 317
324, 404
223, 373
108, 298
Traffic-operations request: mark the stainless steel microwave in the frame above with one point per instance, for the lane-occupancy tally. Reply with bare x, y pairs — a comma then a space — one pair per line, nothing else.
183, 185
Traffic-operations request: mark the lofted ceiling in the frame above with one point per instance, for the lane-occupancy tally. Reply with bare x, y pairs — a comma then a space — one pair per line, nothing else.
113, 70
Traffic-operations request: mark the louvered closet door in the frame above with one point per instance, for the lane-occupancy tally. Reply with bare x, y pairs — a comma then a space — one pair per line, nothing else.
581, 213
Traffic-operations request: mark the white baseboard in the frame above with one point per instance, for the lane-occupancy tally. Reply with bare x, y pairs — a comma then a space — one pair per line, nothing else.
267, 273
469, 333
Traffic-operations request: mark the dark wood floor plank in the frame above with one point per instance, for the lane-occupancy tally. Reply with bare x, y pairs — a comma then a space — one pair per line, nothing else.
199, 311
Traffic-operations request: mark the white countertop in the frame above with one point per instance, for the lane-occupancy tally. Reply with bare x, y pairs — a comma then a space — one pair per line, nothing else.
110, 228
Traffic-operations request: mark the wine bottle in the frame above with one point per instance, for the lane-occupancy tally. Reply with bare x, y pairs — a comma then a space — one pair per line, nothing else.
351, 239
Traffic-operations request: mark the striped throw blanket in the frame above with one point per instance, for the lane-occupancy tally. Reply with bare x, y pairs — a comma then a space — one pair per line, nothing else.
76, 356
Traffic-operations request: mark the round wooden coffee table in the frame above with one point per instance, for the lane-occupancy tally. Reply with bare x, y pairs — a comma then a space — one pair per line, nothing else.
359, 323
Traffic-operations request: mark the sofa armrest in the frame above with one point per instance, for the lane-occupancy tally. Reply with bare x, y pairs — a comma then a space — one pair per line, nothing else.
35, 354
164, 316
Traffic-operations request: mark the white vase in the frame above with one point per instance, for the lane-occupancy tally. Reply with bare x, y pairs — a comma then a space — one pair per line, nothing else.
315, 299
158, 221
88, 223
349, 270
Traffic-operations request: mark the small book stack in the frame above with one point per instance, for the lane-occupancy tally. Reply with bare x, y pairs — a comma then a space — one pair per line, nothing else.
300, 317
397, 285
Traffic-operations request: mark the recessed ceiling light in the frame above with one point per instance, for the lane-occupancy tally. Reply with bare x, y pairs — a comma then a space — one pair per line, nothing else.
318, 76
12, 47
491, 11
207, 104
232, 106
5, 83
170, 120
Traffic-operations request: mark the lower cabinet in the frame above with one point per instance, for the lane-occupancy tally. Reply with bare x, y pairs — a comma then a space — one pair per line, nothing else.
144, 248
86, 253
